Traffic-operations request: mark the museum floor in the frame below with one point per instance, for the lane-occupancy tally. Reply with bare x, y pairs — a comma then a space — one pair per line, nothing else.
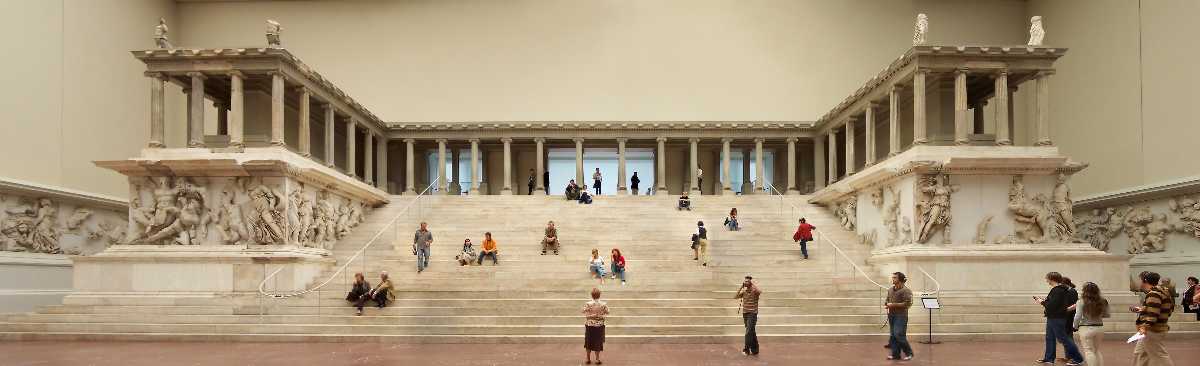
134, 354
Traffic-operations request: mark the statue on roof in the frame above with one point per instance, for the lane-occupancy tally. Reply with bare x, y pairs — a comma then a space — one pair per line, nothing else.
160, 34
273, 30
1036, 32
922, 28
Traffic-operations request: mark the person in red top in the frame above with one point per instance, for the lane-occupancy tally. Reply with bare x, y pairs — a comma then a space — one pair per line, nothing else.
618, 265
804, 235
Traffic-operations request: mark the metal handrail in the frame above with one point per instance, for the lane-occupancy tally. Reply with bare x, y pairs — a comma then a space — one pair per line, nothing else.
261, 285
937, 290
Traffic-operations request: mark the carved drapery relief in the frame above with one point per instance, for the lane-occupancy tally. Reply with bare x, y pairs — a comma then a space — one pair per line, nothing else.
981, 230
1147, 230
934, 207
180, 214
34, 225
161, 34
891, 215
920, 29
1040, 219
273, 31
1099, 228
267, 225
1188, 210
847, 213
1036, 32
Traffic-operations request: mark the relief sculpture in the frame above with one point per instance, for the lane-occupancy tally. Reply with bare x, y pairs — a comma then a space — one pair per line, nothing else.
267, 225
934, 207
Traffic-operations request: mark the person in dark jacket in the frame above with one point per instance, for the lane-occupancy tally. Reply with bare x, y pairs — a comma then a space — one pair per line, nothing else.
633, 183
1189, 301
360, 289
1058, 319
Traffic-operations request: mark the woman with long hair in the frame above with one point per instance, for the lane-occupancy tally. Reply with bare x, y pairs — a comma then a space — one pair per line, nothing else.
618, 265
1090, 312
596, 265
731, 222
360, 289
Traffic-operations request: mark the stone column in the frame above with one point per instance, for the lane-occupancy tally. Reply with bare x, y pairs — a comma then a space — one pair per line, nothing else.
961, 127
196, 111
693, 165
222, 118
507, 191
819, 170
540, 186
237, 110
474, 167
277, 91
791, 166
850, 158
351, 160
578, 160
832, 154
1043, 109
661, 178
369, 156
157, 110
747, 184
330, 128
869, 120
410, 186
726, 185
893, 121
305, 135
382, 166
456, 184
443, 185
622, 187
760, 183
919, 135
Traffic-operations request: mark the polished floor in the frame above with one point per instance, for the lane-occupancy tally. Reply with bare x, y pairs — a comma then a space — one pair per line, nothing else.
227, 354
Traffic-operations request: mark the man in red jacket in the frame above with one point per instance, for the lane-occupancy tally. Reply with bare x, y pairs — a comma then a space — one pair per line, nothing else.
804, 235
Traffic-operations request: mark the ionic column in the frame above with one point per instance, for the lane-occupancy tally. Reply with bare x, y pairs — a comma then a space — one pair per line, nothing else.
869, 135
196, 111
693, 165
819, 170
850, 146
474, 167
726, 185
305, 126
578, 160
661, 177
893, 121
330, 127
277, 109
157, 110
1043, 109
456, 184
832, 157
919, 135
747, 184
622, 188
410, 186
369, 156
791, 166
540, 187
443, 185
381, 162
507, 166
237, 109
351, 160
760, 182
961, 136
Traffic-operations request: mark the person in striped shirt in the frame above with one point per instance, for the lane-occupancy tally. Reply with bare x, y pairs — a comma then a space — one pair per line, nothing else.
1152, 323
748, 294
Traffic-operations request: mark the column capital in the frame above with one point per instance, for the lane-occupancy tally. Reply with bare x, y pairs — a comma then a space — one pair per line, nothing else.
352, 121
577, 140
197, 74
232, 73
894, 88
759, 140
922, 70
622, 139
507, 140
661, 139
540, 140
791, 139
300, 89
441, 141
726, 140
851, 119
1045, 73
219, 105
961, 70
410, 141
155, 75
872, 105
473, 141
1001, 72
693, 140
276, 73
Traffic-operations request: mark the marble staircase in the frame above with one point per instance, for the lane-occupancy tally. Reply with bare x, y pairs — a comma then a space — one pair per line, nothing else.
531, 297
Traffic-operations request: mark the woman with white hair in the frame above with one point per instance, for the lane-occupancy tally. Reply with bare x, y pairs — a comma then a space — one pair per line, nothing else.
594, 313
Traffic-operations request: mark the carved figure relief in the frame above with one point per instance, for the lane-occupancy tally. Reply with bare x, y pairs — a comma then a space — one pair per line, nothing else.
1100, 228
1063, 218
934, 207
31, 227
110, 233
230, 223
847, 211
160, 34
981, 230
921, 28
1032, 216
1036, 33
273, 30
1188, 210
1147, 231
301, 216
267, 225
890, 215
76, 221
179, 216
324, 219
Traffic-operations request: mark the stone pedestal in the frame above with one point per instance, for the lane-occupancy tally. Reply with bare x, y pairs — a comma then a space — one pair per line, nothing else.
180, 270
990, 269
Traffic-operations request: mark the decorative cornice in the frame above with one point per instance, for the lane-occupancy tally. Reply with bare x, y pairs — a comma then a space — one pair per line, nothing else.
37, 190
1149, 192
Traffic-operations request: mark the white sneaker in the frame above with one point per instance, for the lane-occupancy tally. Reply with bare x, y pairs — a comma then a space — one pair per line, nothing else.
622, 283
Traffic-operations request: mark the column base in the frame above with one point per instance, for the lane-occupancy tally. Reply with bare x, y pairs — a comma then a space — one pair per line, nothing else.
622, 191
506, 192
410, 191
727, 191
540, 192
454, 188
792, 191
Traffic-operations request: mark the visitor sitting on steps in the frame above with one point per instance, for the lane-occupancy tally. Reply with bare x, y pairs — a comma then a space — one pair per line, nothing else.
489, 249
572, 191
467, 256
596, 265
550, 240
684, 202
618, 265
359, 290
585, 197
381, 294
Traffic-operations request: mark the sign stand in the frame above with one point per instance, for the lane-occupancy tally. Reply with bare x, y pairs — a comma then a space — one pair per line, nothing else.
930, 303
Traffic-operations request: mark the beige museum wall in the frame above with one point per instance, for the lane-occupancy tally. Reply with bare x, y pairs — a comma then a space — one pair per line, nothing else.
452, 60
74, 94
1121, 97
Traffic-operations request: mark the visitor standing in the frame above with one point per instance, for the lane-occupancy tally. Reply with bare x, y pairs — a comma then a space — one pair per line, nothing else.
618, 265
596, 265
489, 249
633, 183
1152, 323
422, 239
467, 255
700, 180
550, 240
546, 179
1055, 309
803, 235
596, 178
1071, 306
731, 222
594, 313
359, 290
1189, 297
532, 181
1090, 312
749, 294
701, 243
899, 300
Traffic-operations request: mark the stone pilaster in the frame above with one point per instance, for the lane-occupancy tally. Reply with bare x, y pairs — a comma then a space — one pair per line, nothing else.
507, 166
382, 164
410, 186
578, 160
759, 176
893, 121
1042, 111
351, 137
869, 135
693, 166
726, 185
622, 187
831, 159
791, 166
540, 187
443, 184
330, 128
850, 158
661, 177
474, 167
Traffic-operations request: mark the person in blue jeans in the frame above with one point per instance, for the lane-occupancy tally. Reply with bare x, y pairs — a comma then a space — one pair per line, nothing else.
422, 239
1057, 319
803, 235
899, 300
